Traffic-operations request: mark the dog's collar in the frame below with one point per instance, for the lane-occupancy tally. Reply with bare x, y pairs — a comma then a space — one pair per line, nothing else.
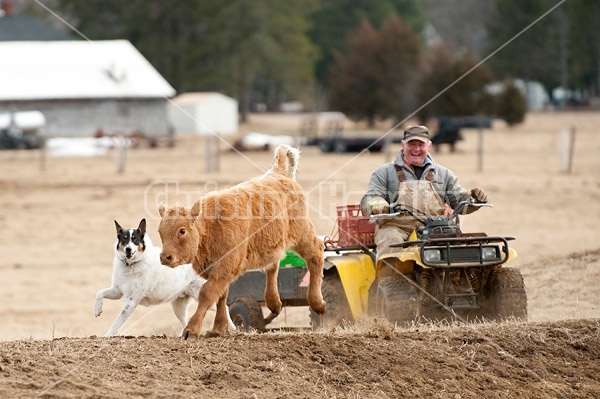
130, 262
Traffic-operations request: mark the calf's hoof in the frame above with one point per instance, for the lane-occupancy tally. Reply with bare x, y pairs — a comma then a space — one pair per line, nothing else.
320, 307
275, 308
220, 330
188, 333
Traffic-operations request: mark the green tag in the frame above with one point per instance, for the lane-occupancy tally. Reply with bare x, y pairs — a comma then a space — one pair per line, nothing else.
292, 259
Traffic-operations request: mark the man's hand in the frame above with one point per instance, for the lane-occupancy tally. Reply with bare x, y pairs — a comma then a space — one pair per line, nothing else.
379, 206
448, 210
479, 195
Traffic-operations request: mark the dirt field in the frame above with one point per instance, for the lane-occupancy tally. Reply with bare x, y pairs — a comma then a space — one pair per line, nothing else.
56, 240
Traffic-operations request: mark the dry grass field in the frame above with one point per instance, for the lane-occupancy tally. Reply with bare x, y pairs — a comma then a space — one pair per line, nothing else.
56, 241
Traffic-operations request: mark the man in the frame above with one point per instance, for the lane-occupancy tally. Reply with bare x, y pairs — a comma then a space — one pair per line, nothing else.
415, 180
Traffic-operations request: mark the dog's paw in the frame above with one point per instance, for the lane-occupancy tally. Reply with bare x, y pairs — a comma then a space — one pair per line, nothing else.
98, 309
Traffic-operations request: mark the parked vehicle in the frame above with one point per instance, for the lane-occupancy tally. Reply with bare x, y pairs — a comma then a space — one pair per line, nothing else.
21, 130
341, 144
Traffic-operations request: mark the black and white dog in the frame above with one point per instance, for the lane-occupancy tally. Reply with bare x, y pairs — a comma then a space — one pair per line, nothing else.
140, 279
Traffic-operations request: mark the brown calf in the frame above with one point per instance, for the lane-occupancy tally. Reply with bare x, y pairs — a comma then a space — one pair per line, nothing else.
248, 226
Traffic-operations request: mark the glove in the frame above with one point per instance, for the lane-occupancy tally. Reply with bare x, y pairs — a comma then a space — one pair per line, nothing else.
479, 195
379, 206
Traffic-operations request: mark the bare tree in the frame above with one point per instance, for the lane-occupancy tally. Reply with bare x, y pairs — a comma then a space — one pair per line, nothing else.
461, 23
377, 77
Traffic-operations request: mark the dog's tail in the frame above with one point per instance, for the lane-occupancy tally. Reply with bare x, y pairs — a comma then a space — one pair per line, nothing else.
286, 161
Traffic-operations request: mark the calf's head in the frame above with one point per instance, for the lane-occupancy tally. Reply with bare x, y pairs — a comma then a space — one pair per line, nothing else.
179, 234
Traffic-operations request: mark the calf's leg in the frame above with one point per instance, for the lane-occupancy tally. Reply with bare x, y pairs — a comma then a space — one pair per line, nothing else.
311, 250
271, 291
222, 315
210, 293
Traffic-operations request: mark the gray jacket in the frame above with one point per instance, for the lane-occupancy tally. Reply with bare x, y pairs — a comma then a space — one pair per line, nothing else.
384, 184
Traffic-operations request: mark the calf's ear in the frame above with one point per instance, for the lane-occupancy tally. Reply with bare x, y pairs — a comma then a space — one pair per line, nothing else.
196, 208
162, 208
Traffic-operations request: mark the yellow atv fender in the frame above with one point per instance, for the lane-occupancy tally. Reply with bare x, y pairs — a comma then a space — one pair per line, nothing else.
512, 254
357, 273
403, 259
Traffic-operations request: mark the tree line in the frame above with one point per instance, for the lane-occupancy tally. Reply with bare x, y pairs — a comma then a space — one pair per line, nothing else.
373, 59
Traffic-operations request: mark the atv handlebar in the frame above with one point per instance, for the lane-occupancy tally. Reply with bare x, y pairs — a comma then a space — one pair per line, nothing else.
462, 206
397, 209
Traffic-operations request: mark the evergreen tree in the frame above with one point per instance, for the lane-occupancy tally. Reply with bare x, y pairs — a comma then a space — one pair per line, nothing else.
584, 45
454, 86
264, 41
510, 104
335, 20
532, 55
211, 44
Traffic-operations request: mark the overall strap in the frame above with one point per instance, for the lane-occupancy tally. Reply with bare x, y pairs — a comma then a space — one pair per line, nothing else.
400, 173
402, 176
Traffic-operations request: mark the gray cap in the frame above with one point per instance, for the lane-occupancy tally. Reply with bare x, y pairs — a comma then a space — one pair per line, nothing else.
416, 133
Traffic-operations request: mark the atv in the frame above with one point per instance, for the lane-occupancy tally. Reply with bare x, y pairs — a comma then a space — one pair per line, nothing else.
438, 273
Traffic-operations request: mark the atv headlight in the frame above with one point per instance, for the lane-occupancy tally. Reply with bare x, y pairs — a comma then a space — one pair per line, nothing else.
489, 253
432, 255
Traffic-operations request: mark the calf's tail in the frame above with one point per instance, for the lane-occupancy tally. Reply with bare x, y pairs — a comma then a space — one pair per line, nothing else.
286, 161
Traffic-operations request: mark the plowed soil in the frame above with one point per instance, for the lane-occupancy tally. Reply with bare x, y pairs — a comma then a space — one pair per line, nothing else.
538, 360
57, 234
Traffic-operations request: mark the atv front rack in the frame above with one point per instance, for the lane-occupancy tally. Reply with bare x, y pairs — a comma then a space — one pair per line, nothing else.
460, 252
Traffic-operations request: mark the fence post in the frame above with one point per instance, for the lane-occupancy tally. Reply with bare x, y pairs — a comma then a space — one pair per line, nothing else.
480, 148
122, 153
571, 149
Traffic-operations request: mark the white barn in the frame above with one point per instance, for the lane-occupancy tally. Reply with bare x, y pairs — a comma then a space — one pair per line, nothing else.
204, 114
82, 87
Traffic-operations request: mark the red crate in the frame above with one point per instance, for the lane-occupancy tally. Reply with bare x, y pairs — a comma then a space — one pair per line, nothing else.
354, 229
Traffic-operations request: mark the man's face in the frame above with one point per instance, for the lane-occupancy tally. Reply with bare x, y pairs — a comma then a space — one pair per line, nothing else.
415, 151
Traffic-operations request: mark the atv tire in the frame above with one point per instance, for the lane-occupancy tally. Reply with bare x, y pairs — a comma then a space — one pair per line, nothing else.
338, 310
397, 300
507, 297
247, 315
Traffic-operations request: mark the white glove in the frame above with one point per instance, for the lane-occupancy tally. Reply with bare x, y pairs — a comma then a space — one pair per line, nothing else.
379, 206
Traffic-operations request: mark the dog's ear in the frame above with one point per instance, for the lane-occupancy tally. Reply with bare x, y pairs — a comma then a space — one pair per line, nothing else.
162, 208
119, 228
142, 227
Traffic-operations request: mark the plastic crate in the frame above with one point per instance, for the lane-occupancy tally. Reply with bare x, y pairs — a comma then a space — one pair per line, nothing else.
354, 229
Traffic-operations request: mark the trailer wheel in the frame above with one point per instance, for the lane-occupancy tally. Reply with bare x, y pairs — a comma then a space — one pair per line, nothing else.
247, 315
507, 297
397, 300
325, 145
340, 146
338, 310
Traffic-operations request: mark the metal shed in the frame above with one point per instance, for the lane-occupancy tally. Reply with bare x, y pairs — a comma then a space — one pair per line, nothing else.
205, 114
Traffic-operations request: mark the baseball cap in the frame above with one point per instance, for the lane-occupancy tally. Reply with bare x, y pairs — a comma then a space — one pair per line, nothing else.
416, 133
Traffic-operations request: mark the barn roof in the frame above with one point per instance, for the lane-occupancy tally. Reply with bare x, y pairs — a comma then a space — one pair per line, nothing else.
36, 70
